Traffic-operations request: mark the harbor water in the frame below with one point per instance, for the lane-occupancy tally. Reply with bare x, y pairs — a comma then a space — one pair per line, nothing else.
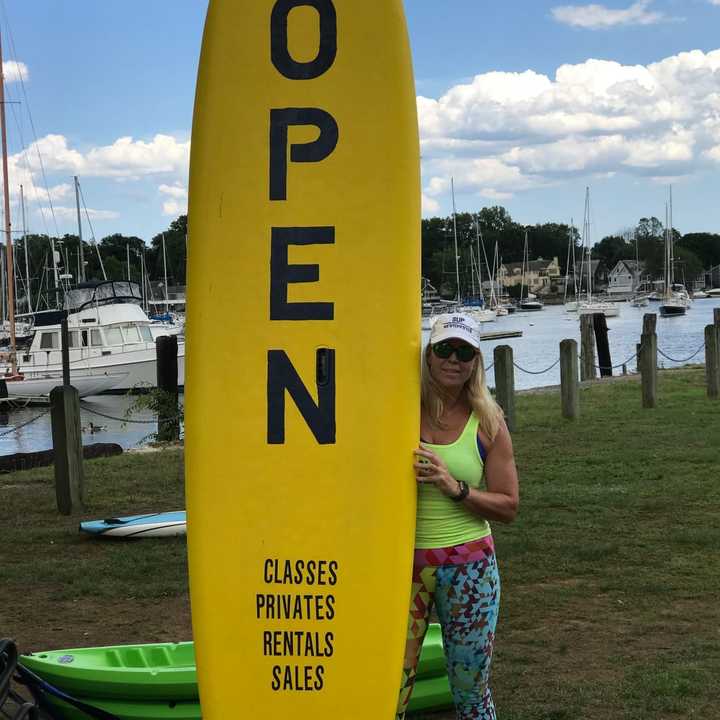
536, 354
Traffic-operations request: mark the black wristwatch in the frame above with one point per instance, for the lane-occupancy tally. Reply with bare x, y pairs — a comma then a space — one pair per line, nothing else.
463, 493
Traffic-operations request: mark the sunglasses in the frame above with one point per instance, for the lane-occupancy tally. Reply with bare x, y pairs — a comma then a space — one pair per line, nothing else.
444, 350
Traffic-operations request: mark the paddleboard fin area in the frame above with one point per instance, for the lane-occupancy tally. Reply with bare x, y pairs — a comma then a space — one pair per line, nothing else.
304, 217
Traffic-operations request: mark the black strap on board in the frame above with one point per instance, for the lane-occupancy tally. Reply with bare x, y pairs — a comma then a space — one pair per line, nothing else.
40, 689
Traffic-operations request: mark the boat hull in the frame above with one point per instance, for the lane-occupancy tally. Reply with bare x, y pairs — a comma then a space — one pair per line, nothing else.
672, 310
86, 385
139, 369
607, 310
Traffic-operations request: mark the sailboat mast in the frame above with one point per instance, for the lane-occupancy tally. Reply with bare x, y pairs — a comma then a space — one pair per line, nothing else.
587, 244
8, 228
27, 262
81, 274
522, 272
165, 273
672, 243
457, 258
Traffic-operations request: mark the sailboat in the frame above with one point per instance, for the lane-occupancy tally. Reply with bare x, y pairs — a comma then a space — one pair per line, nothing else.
528, 301
480, 314
483, 313
591, 305
18, 385
495, 294
675, 299
571, 305
638, 300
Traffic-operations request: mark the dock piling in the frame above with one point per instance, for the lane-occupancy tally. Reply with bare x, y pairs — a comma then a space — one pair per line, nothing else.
647, 361
587, 348
505, 383
712, 361
68, 450
166, 348
569, 386
603, 346
67, 436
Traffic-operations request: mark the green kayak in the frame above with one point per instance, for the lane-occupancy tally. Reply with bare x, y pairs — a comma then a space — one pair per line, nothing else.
159, 682
158, 672
162, 671
429, 694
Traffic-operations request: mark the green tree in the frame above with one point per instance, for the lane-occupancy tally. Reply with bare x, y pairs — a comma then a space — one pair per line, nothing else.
613, 248
175, 252
705, 246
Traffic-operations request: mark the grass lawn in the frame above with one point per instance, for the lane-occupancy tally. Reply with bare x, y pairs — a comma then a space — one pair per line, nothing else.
610, 575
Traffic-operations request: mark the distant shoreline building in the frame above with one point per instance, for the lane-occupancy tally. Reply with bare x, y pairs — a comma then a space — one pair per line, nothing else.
542, 277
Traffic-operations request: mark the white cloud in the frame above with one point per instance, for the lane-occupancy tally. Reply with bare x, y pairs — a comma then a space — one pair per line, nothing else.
178, 199
125, 159
504, 133
175, 191
15, 71
69, 213
429, 205
600, 17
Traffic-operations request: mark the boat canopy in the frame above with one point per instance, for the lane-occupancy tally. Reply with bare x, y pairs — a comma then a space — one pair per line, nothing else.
104, 293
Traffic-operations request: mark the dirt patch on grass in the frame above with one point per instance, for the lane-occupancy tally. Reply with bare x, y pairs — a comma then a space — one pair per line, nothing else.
44, 623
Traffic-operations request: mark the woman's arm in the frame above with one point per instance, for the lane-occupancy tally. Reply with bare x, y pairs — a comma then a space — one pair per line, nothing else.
501, 498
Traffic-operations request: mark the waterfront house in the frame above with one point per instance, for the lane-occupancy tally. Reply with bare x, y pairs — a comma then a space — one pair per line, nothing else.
541, 277
624, 278
599, 273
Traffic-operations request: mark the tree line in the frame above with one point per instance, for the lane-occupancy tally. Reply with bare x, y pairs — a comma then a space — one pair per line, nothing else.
111, 254
478, 234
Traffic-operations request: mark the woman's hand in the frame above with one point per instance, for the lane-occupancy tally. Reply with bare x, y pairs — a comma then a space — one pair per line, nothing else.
429, 468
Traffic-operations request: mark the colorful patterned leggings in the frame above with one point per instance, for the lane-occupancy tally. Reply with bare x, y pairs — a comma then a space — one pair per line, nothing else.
463, 584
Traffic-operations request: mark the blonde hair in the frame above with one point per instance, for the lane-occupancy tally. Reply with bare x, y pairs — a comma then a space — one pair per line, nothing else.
489, 414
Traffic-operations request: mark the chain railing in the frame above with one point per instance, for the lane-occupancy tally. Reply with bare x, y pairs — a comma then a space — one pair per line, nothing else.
25, 424
154, 421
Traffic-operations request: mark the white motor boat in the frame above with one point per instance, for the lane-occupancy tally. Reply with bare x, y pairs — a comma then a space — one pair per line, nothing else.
571, 306
40, 387
699, 295
109, 334
714, 293
643, 301
590, 307
531, 305
482, 315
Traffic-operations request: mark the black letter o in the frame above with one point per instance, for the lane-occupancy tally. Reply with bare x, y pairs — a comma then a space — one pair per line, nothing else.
279, 39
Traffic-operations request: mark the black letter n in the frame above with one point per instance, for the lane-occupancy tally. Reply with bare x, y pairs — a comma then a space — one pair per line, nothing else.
282, 376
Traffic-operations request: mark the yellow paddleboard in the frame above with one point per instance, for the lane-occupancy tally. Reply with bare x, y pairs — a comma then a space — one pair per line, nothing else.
303, 345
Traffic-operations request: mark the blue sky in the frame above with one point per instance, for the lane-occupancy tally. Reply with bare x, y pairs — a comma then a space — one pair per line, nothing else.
523, 103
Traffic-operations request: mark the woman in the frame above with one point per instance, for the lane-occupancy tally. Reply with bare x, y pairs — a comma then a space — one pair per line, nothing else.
464, 444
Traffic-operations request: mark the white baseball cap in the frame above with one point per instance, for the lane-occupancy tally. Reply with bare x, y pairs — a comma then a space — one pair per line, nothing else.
457, 326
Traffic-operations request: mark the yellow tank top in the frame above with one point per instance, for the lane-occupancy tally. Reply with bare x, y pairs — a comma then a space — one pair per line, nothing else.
442, 522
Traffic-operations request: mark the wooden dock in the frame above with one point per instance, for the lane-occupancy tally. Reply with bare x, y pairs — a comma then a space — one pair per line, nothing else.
501, 334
